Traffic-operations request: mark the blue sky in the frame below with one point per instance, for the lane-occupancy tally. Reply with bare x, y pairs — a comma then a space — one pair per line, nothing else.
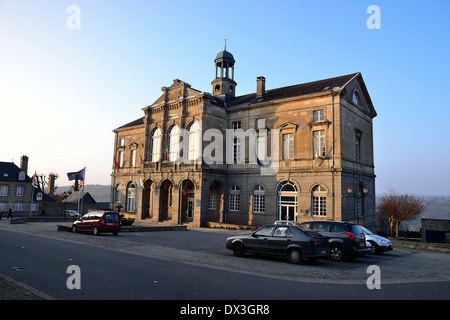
63, 91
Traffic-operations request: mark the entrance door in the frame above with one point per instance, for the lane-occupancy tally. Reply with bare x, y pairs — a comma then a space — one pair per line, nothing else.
287, 201
287, 212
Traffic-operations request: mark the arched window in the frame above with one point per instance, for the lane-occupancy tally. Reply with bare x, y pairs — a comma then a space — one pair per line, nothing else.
319, 201
174, 143
287, 201
131, 197
194, 141
235, 198
259, 199
355, 98
117, 196
156, 145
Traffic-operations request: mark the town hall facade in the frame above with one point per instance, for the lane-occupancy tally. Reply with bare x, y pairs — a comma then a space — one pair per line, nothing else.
302, 152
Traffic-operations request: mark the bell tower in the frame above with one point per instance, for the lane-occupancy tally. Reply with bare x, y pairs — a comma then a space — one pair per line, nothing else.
223, 85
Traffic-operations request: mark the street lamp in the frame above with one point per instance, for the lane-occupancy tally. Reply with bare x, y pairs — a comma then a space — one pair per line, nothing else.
357, 196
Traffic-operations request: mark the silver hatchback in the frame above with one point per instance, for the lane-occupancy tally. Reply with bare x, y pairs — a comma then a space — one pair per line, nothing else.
379, 244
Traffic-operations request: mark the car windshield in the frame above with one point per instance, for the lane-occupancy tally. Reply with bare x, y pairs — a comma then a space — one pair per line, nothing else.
366, 231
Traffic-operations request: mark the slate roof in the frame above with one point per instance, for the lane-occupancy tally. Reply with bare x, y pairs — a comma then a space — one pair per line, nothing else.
292, 91
279, 94
73, 198
9, 171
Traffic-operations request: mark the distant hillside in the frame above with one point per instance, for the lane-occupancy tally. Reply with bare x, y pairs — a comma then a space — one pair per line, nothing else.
101, 193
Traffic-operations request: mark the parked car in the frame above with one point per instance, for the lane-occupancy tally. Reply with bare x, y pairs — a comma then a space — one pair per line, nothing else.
71, 213
288, 241
98, 222
346, 239
378, 243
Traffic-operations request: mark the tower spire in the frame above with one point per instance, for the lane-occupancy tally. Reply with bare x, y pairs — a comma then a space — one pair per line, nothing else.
225, 45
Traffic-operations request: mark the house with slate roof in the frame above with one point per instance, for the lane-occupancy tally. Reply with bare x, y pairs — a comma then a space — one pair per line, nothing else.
299, 153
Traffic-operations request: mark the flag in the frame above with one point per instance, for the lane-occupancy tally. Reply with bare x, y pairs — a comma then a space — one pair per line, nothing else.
116, 164
256, 154
79, 175
183, 188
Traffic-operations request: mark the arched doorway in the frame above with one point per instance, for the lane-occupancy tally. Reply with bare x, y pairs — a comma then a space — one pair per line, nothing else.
147, 201
187, 194
165, 200
287, 201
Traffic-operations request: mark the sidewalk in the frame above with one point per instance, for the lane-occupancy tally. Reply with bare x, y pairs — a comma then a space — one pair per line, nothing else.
13, 290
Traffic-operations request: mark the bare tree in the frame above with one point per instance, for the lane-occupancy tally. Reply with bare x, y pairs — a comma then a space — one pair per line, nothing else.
400, 207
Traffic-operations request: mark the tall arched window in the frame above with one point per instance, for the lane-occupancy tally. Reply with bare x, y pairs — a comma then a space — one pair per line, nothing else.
235, 198
131, 197
259, 199
156, 145
287, 201
194, 141
174, 143
319, 201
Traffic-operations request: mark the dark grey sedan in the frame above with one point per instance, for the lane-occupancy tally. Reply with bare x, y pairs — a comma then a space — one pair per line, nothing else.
289, 241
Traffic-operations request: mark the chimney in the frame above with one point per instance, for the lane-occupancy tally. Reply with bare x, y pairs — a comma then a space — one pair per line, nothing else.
51, 184
260, 86
24, 164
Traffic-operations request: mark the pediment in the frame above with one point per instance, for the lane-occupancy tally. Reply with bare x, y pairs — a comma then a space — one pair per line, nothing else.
288, 125
178, 90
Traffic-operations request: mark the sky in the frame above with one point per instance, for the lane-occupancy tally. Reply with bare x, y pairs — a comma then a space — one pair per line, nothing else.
73, 71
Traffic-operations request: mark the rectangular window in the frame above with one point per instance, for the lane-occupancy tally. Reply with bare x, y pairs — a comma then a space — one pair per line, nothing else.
213, 197
18, 206
358, 146
133, 158
319, 144
319, 206
156, 147
288, 146
3, 191
318, 115
122, 142
259, 203
3, 206
234, 202
121, 159
261, 147
236, 125
236, 149
20, 191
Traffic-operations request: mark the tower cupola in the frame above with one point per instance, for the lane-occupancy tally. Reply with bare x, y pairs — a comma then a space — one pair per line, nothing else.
224, 85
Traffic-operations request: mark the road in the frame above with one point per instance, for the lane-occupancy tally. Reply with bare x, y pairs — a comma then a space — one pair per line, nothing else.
194, 265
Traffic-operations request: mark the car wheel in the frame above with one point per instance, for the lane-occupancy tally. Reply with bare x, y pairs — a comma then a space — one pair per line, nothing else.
74, 229
295, 255
95, 231
336, 253
238, 249
115, 233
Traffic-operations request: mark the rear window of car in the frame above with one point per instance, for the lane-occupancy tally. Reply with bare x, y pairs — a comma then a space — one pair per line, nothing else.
339, 227
355, 229
320, 226
111, 216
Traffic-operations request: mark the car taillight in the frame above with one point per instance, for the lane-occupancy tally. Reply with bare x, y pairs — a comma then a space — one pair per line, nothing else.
101, 220
350, 235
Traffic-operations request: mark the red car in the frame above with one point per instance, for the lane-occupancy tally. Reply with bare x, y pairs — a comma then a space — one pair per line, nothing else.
97, 222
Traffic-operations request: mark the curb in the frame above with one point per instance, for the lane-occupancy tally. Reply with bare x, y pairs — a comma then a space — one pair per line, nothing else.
15, 290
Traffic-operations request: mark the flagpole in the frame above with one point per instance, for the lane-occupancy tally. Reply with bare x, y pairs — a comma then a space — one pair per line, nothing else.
32, 192
82, 191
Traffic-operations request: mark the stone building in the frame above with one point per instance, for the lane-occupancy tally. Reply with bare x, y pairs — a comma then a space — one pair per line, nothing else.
302, 152
15, 186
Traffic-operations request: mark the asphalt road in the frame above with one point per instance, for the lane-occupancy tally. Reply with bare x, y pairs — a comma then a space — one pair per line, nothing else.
195, 266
